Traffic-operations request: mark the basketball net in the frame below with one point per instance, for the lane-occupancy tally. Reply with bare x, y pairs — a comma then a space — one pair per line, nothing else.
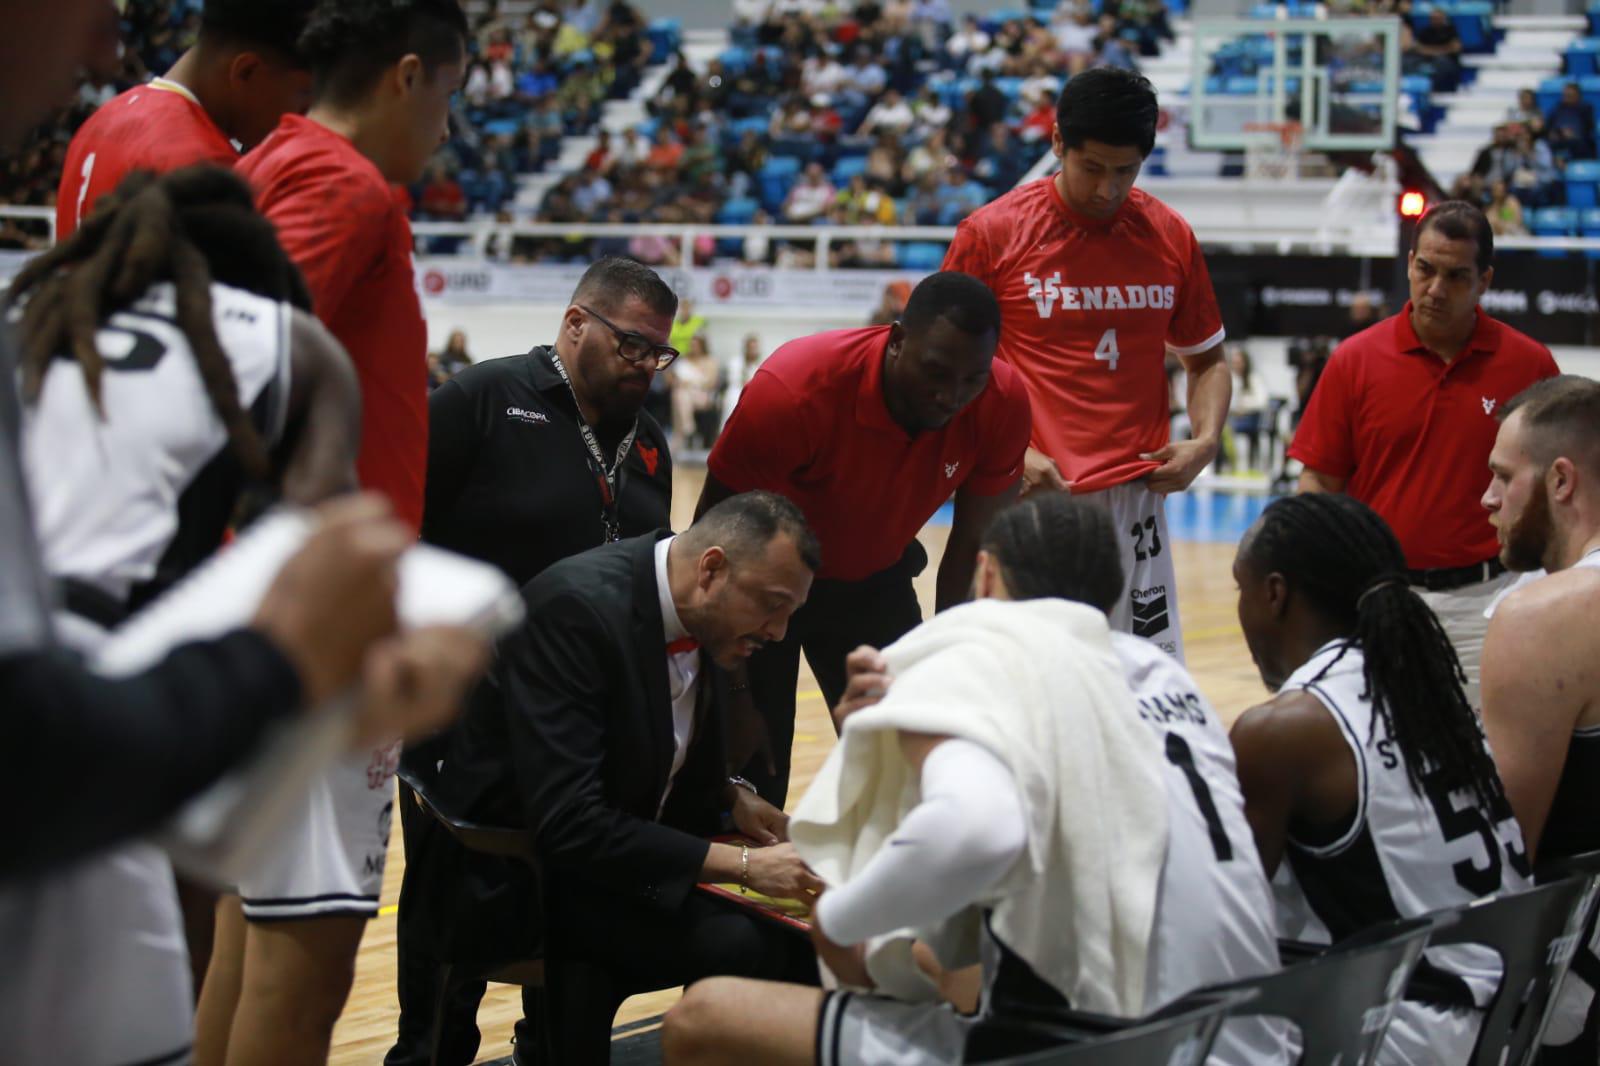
1275, 157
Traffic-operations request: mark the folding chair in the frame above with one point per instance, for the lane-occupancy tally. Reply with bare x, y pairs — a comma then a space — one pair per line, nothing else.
1342, 1000
1180, 1034
1535, 933
529, 973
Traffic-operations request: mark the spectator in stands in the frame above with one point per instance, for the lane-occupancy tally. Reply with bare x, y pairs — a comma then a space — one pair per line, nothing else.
1438, 46
1527, 167
821, 72
633, 151
688, 324
791, 118
446, 364
696, 394
592, 194
811, 195
959, 197
1569, 127
865, 78
1247, 411
891, 114
666, 152
1364, 312
1113, 51
930, 111
1527, 112
1075, 34
1503, 140
886, 161
1505, 212
600, 158
757, 247
987, 104
1000, 165
442, 199
967, 42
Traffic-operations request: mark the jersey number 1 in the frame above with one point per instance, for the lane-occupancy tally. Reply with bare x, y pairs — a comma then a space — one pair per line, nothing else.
1179, 755
1106, 350
83, 190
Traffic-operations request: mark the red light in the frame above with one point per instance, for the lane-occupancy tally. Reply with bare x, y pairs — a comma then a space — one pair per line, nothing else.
1412, 204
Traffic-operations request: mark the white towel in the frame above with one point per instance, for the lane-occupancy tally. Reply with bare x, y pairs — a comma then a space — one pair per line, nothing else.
1037, 683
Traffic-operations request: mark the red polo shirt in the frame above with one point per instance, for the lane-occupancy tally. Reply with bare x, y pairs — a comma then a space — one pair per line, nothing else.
812, 426
1412, 434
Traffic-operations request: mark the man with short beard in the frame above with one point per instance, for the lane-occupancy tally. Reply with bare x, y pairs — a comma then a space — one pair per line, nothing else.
514, 480
1404, 412
1541, 687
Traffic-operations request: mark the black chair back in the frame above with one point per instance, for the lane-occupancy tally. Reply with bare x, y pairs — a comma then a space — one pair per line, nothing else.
1341, 1001
1535, 933
1179, 1035
490, 839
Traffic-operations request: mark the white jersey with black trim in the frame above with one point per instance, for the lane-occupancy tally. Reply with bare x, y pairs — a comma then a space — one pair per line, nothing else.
1403, 854
1214, 914
130, 501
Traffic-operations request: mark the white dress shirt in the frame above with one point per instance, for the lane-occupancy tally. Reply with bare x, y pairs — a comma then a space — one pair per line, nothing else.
683, 671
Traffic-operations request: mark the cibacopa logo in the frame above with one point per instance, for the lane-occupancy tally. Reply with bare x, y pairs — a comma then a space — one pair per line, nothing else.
522, 414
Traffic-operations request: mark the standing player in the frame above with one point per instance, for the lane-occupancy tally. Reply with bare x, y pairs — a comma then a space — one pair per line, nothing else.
209, 382
869, 431
1404, 416
1541, 690
1368, 773
222, 97
385, 71
1097, 282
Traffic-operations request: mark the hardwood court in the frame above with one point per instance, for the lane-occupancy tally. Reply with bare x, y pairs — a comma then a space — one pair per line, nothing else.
1216, 654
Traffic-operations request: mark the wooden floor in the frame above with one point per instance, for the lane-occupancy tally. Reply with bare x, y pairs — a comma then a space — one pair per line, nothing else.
1216, 654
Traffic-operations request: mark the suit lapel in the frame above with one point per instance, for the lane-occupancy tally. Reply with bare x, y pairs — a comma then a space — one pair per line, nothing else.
650, 645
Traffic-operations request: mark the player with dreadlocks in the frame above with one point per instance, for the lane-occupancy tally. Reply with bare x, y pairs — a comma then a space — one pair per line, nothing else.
199, 371
1368, 770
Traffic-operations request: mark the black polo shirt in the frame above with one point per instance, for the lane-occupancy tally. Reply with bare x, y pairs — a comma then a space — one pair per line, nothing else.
510, 480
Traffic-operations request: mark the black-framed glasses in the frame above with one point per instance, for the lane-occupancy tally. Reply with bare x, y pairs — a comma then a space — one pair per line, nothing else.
636, 347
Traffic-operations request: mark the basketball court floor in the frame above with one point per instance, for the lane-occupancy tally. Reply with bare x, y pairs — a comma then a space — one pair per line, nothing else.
1206, 525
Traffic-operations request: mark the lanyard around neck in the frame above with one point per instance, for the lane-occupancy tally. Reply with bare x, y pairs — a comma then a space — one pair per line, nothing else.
606, 477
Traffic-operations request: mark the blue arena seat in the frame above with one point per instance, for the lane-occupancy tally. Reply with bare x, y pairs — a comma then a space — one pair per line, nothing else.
848, 167
738, 211
1553, 221
1583, 183
1582, 58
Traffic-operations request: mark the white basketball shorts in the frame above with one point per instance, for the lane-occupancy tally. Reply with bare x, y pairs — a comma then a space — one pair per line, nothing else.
1149, 604
329, 862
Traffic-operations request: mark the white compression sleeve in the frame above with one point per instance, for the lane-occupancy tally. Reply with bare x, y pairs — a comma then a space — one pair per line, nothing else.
962, 838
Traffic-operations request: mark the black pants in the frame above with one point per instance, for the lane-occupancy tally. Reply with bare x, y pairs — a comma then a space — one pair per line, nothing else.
603, 950
418, 984
838, 617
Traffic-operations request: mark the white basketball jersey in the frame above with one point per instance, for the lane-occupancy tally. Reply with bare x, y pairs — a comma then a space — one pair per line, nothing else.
1214, 912
1404, 854
111, 494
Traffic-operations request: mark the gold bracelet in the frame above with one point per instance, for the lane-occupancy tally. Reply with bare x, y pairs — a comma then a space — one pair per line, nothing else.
744, 868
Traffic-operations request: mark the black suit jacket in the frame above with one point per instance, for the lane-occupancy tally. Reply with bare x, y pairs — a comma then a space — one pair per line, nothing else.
571, 736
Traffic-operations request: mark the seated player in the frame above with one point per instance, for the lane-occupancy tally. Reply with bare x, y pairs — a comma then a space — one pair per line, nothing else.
1541, 692
1367, 771
961, 848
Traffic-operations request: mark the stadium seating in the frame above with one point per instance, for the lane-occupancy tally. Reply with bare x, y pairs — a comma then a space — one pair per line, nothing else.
1583, 177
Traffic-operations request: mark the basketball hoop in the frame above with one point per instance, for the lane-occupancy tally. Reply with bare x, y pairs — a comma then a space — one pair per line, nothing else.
1275, 156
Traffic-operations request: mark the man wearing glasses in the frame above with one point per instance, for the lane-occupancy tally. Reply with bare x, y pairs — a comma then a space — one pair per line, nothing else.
531, 458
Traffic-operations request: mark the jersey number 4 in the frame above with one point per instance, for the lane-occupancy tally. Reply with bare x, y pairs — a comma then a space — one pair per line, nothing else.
1106, 350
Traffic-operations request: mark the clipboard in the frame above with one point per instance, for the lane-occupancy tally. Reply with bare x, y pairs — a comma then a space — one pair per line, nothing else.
792, 913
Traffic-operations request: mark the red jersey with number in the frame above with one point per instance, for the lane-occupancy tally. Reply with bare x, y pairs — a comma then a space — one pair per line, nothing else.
345, 228
159, 126
812, 426
1411, 434
1089, 310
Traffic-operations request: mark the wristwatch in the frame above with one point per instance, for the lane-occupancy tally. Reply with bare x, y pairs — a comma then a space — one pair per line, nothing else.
740, 782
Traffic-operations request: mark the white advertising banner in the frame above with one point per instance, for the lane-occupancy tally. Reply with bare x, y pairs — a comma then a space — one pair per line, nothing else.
455, 281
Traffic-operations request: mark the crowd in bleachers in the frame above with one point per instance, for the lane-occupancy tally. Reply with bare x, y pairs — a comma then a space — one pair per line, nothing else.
822, 114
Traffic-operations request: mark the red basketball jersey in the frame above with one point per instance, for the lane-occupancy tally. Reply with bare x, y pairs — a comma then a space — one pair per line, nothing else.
159, 127
1089, 310
346, 229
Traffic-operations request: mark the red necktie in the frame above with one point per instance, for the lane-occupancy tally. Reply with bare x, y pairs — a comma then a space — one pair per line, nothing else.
681, 645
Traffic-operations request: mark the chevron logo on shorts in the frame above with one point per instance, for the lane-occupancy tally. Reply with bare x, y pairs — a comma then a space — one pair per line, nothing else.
1150, 614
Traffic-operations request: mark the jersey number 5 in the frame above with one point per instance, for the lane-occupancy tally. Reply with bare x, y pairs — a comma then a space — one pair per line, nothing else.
1456, 824
1106, 350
